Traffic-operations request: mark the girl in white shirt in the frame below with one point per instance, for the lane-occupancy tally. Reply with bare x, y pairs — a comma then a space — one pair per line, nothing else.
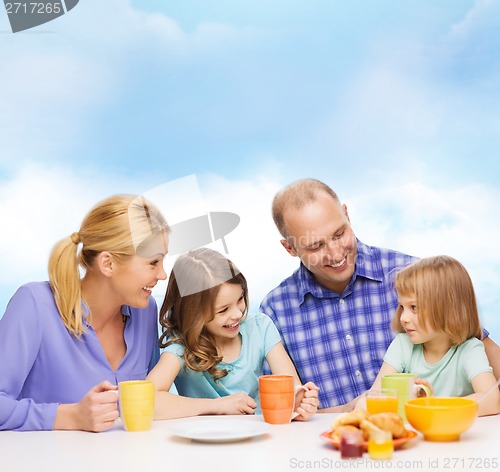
440, 334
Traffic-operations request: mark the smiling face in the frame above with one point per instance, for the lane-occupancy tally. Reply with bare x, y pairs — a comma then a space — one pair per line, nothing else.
229, 308
320, 234
134, 279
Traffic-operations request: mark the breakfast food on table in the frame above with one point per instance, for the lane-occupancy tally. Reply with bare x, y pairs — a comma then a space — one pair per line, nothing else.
339, 430
351, 443
367, 428
360, 419
353, 418
389, 422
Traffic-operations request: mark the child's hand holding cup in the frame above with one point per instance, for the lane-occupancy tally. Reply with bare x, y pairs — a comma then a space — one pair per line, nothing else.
406, 386
277, 398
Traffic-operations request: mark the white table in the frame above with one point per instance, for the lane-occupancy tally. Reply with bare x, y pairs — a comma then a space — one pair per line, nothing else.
293, 447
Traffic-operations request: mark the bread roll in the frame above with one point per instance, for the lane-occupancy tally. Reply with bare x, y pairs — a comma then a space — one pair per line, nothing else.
336, 434
390, 422
353, 418
367, 427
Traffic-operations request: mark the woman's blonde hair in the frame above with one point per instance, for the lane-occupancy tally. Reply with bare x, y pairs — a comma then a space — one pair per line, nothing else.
120, 224
444, 296
189, 305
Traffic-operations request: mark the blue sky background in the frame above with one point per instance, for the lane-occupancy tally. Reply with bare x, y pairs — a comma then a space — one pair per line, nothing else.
394, 104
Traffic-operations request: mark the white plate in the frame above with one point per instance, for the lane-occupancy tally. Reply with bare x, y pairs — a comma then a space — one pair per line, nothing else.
218, 430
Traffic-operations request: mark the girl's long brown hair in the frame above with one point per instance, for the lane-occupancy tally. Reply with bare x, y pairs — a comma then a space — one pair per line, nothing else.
192, 288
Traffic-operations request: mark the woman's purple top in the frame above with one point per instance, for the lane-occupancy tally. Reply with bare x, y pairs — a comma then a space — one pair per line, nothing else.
43, 365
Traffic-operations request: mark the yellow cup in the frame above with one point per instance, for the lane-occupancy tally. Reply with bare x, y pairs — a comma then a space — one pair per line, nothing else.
137, 404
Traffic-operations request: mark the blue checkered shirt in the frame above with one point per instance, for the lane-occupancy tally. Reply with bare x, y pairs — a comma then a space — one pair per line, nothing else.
339, 341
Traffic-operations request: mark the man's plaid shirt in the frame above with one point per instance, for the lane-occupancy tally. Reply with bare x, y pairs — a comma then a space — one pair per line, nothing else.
339, 341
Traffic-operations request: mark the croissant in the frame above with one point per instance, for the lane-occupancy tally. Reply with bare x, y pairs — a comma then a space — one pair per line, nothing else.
352, 418
336, 434
367, 427
390, 422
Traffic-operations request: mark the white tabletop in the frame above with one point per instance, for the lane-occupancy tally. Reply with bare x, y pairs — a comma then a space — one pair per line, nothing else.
292, 447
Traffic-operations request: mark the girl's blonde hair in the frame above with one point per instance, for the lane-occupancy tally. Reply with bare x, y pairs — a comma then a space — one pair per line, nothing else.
189, 305
444, 296
120, 224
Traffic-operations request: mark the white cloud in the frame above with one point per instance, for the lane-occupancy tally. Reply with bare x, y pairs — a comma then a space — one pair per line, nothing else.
384, 113
413, 217
482, 15
396, 103
456, 217
467, 53
55, 86
460, 220
254, 244
43, 205
40, 206
46, 100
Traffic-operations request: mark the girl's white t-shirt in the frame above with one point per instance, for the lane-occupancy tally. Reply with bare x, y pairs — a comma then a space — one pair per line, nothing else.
451, 376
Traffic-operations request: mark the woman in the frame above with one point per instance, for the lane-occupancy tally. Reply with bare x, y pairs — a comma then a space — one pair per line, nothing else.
66, 343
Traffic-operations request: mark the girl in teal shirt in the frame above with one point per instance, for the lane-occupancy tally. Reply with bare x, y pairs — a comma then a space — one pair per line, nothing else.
212, 349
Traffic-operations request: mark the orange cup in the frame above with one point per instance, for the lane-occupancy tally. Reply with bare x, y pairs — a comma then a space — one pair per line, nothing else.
277, 398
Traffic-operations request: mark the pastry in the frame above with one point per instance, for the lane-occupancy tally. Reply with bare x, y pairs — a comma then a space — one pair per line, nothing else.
367, 427
336, 434
353, 418
390, 422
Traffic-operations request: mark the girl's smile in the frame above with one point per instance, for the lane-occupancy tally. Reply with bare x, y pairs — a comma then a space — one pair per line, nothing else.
229, 308
232, 327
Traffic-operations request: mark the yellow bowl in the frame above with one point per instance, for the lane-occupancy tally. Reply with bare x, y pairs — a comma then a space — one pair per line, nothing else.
441, 418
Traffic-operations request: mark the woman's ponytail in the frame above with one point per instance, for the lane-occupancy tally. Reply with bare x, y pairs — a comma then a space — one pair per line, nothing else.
64, 277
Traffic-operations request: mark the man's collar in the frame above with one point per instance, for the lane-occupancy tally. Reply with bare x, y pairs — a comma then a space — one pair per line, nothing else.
366, 266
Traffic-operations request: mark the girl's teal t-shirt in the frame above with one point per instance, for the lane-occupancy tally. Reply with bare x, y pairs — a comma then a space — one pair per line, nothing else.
258, 337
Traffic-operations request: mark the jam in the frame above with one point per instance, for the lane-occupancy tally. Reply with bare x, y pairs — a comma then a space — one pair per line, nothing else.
351, 445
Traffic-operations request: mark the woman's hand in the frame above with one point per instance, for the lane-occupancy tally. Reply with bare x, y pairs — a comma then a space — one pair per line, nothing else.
307, 401
96, 411
236, 404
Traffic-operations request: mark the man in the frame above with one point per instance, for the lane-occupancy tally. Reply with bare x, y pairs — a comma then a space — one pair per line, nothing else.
334, 311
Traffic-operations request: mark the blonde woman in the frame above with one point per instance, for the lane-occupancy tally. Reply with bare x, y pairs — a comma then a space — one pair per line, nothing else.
213, 349
440, 334
93, 324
